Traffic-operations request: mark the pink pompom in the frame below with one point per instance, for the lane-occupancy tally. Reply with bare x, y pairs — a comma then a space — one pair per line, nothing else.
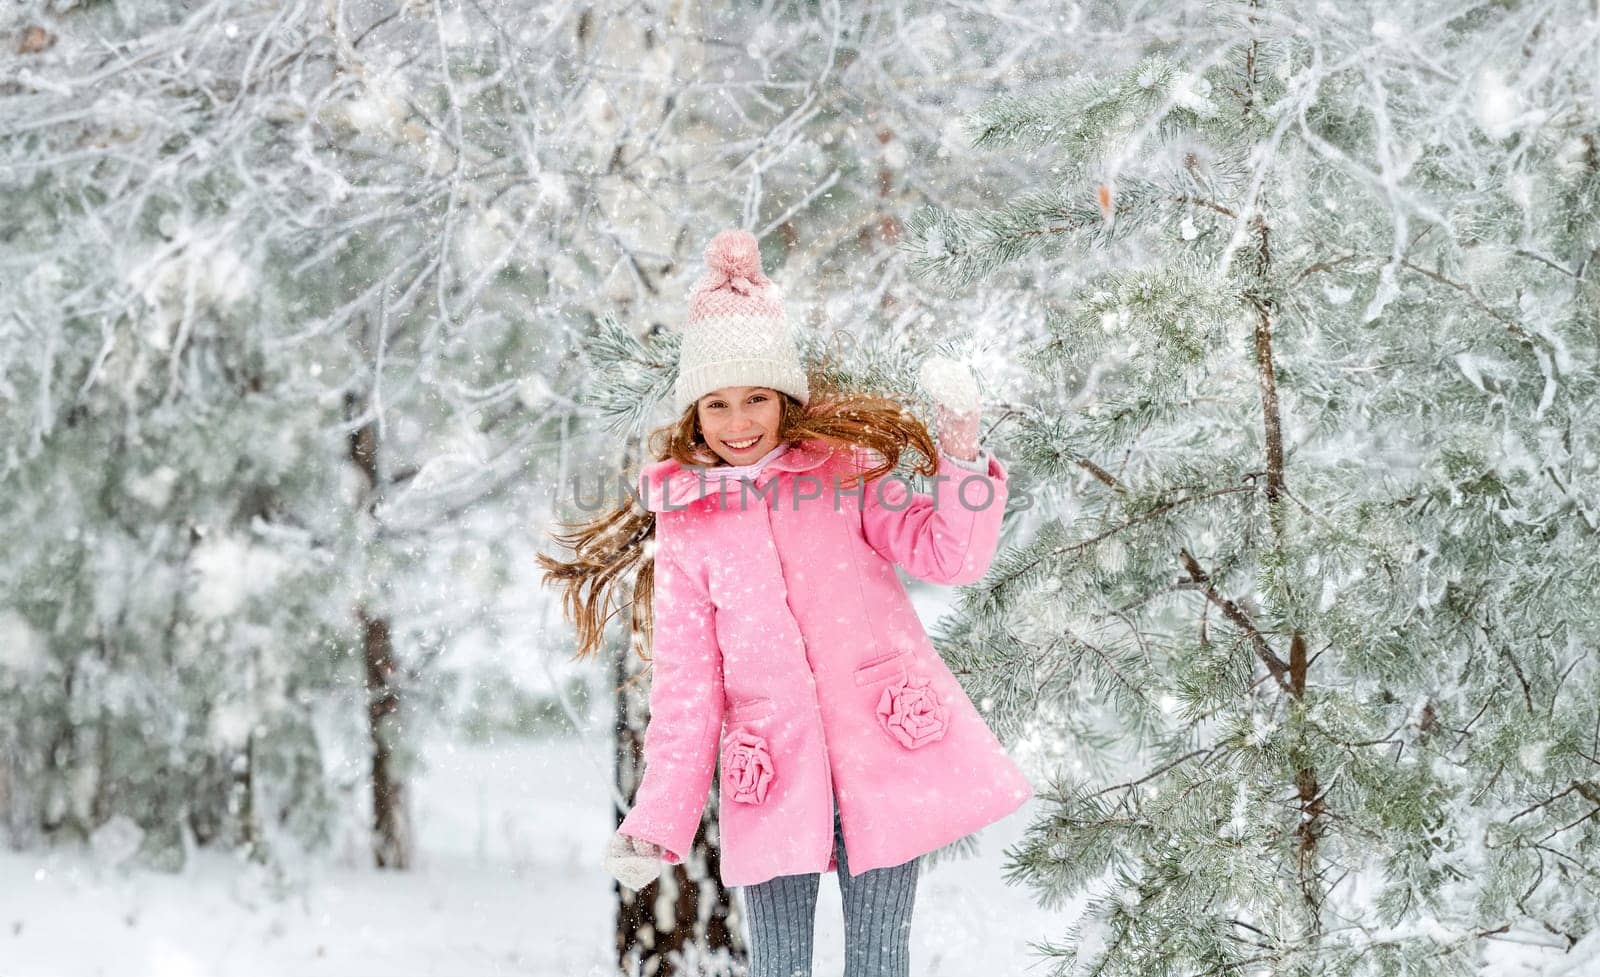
735, 254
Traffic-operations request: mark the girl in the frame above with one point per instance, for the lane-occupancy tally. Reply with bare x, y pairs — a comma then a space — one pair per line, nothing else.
785, 645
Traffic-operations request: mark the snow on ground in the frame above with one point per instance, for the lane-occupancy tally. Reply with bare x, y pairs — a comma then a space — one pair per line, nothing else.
508, 882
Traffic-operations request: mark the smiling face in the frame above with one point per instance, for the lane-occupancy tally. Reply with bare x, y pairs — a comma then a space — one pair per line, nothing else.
740, 424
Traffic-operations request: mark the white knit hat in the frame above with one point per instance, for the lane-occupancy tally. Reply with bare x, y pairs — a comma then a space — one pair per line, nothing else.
737, 332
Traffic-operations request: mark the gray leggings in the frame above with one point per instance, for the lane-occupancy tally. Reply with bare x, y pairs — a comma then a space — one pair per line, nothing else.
877, 919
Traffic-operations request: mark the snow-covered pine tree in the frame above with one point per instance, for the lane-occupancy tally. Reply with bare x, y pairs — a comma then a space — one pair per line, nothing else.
170, 630
1311, 639
283, 334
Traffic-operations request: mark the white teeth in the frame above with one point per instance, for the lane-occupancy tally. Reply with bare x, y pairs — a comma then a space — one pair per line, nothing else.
741, 444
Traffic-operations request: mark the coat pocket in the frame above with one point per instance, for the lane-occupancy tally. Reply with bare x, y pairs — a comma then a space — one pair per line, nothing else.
748, 710
892, 665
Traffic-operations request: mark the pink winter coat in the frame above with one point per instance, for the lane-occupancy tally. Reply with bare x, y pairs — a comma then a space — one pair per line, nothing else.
787, 648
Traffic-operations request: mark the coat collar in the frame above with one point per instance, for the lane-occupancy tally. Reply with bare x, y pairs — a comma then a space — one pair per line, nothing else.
670, 484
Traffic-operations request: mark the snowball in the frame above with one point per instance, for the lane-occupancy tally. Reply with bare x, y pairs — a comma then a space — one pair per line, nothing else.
949, 383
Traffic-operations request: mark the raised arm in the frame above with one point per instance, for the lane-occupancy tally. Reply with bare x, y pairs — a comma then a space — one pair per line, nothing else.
948, 536
680, 740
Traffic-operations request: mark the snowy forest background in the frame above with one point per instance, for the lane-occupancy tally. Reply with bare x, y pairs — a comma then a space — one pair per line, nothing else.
1286, 315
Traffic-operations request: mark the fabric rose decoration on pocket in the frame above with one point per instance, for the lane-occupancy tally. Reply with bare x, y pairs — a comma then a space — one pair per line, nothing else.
912, 713
747, 767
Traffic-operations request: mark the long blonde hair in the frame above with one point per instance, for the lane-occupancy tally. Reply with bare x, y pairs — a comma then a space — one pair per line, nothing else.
610, 548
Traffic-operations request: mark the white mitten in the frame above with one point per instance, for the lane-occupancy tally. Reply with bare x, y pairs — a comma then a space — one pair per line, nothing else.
632, 861
957, 404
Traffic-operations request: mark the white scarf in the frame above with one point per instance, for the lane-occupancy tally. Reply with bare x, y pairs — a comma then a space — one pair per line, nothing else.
749, 471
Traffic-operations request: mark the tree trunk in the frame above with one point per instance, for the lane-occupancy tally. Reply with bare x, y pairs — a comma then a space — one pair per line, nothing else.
244, 783
660, 932
391, 828
8, 812
391, 831
1307, 787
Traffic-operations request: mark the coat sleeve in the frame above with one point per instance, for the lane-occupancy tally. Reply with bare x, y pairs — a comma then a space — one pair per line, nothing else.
948, 536
680, 739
